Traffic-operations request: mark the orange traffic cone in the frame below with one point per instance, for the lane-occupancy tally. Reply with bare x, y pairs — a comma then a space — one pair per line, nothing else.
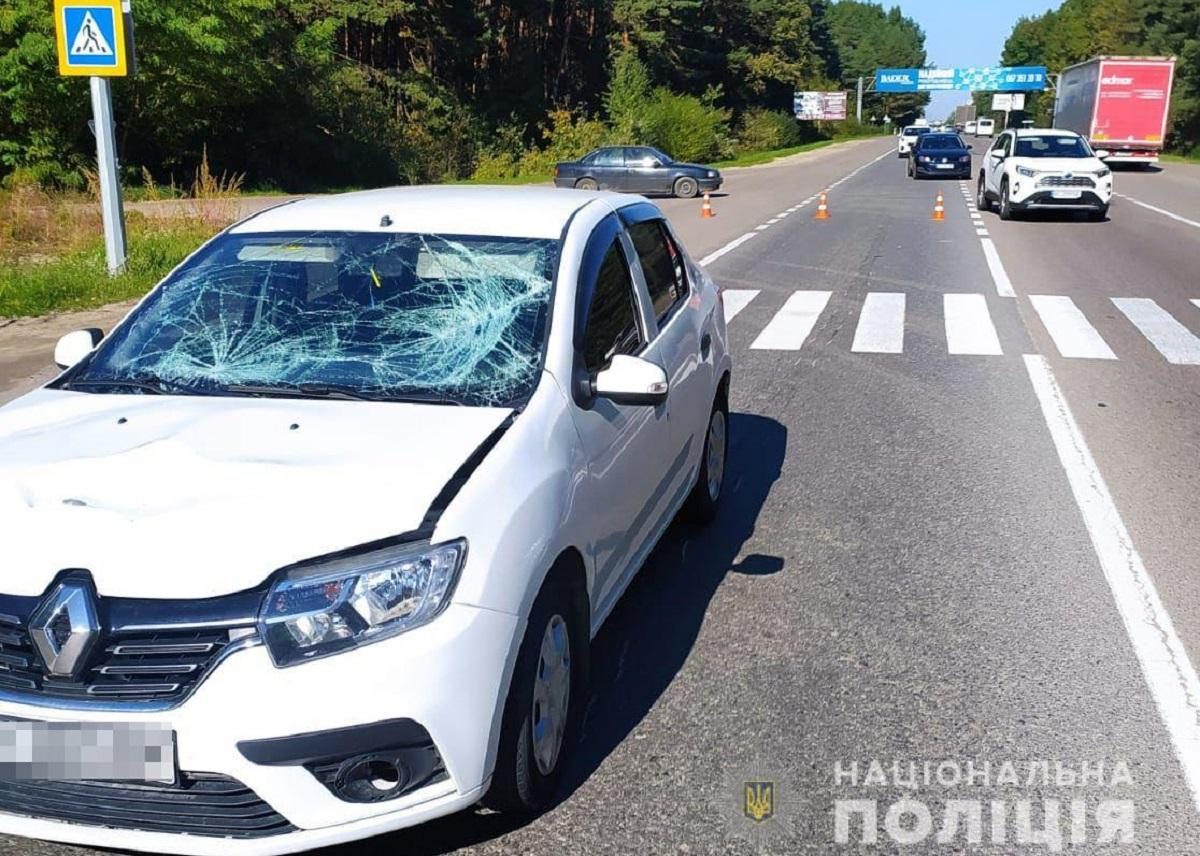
822, 208
939, 210
706, 207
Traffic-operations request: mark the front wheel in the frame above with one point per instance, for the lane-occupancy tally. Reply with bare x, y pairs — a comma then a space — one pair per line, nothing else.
701, 504
685, 188
981, 199
542, 709
587, 184
1006, 209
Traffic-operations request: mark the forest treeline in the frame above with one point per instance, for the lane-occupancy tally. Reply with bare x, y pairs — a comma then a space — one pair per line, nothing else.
1081, 29
310, 94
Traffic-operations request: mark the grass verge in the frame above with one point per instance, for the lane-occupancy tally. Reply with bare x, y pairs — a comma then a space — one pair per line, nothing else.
1177, 158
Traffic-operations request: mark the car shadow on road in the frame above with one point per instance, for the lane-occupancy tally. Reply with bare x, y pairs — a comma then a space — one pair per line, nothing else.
646, 639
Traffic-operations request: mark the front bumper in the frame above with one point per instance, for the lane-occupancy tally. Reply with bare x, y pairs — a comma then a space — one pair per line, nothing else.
1043, 200
448, 676
957, 170
709, 184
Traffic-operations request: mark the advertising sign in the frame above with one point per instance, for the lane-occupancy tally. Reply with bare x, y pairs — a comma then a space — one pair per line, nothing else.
999, 79
820, 106
1133, 101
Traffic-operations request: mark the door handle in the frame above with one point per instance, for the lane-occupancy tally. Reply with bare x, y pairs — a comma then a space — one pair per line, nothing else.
705, 346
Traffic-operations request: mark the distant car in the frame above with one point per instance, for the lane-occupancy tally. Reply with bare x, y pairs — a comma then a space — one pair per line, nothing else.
969, 127
636, 169
907, 137
1048, 168
985, 127
940, 154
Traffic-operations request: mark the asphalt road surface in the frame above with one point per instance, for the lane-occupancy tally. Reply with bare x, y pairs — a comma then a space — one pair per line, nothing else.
955, 580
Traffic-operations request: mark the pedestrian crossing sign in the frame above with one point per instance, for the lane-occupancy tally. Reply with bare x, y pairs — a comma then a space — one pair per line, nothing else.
91, 38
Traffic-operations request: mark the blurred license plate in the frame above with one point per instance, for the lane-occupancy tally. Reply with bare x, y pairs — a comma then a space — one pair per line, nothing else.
78, 751
945, 166
1067, 194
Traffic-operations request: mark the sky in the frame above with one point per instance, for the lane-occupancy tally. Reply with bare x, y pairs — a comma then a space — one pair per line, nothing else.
960, 33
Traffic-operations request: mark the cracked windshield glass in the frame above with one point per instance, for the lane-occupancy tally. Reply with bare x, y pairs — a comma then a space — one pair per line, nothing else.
404, 316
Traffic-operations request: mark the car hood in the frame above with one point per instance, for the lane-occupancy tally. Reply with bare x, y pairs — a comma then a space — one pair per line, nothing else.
1079, 166
696, 166
190, 497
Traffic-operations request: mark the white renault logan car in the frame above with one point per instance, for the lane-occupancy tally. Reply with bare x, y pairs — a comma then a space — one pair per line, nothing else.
326, 524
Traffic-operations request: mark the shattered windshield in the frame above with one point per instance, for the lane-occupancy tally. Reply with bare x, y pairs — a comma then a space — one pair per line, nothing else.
393, 316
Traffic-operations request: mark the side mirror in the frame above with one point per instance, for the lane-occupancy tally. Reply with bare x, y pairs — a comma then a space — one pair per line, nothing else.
73, 347
631, 380
1103, 154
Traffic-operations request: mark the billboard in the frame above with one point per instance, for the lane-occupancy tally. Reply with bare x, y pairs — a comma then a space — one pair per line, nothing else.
1008, 101
820, 106
998, 79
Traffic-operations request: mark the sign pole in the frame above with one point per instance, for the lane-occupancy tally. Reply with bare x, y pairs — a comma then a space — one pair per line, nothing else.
111, 208
858, 110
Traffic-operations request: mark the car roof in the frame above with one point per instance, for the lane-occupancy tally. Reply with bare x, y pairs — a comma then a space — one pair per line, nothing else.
515, 212
1043, 132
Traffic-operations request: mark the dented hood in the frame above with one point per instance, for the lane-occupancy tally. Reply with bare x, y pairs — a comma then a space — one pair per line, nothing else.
189, 497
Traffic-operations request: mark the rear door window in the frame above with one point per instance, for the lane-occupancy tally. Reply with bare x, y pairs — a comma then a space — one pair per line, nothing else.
662, 265
609, 157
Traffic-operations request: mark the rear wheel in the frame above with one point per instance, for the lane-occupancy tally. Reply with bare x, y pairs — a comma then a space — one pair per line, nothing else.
701, 504
686, 188
587, 184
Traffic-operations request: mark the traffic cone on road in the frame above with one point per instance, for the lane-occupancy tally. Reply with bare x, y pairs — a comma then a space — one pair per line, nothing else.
939, 209
706, 207
822, 208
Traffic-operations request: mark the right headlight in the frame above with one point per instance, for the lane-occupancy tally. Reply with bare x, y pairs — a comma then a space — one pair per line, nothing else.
1026, 171
325, 608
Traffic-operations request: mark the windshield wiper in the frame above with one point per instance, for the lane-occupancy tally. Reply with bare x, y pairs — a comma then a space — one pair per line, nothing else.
154, 386
321, 390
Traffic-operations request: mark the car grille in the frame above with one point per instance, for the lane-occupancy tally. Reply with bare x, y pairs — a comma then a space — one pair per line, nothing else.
200, 804
161, 665
1063, 181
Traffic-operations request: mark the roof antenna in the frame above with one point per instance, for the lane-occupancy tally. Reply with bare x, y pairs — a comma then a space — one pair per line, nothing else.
385, 221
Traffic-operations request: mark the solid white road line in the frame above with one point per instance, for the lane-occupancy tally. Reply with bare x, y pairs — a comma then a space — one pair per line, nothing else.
969, 328
1073, 334
792, 324
999, 274
736, 299
1158, 210
1168, 672
1174, 341
1196, 303
881, 324
732, 245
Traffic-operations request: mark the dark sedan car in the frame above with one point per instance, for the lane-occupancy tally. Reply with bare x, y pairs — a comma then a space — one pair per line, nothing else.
635, 169
940, 154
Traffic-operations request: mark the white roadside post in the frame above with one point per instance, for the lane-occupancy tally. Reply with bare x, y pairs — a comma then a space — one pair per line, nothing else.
95, 40
112, 209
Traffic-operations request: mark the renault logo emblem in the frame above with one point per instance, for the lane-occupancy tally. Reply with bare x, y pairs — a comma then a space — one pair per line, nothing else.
65, 628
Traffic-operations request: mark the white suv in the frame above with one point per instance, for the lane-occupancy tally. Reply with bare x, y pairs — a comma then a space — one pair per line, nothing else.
329, 520
1030, 169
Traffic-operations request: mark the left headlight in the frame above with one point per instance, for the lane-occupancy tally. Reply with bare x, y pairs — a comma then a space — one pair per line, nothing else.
329, 607
712, 173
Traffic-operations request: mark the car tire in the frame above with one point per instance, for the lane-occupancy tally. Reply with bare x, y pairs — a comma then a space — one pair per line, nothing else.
702, 503
982, 203
685, 188
553, 651
1006, 209
587, 184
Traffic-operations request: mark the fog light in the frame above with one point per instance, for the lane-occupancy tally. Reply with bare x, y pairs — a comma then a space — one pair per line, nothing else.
371, 778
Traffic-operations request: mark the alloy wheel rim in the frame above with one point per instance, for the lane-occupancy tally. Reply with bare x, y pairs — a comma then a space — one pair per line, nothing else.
551, 694
715, 461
